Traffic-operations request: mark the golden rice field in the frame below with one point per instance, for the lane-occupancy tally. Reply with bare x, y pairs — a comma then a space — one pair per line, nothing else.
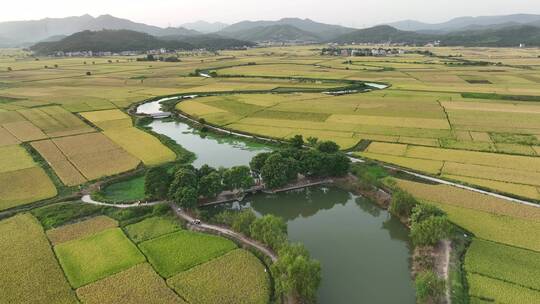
80, 229
30, 272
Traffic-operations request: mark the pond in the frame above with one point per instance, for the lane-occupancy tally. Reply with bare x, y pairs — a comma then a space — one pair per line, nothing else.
364, 252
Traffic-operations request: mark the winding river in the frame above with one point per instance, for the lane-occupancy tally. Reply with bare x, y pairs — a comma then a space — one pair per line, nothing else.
364, 252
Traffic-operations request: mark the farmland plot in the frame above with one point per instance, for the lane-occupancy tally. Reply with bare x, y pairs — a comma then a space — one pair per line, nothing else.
55, 121
236, 277
30, 273
97, 256
138, 284
80, 230
182, 250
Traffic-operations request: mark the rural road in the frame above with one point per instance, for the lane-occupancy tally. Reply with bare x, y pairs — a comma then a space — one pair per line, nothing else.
230, 233
239, 237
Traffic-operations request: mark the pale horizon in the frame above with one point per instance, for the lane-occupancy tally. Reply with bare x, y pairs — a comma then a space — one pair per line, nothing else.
350, 13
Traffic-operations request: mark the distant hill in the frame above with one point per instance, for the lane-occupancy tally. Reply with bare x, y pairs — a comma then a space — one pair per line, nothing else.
108, 41
321, 30
211, 41
205, 27
127, 40
462, 23
275, 33
508, 36
24, 32
384, 34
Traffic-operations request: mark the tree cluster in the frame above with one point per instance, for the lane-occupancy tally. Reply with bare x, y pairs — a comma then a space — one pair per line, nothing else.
281, 167
295, 272
187, 184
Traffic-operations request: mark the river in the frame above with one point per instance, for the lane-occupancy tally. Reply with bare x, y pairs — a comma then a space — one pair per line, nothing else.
364, 252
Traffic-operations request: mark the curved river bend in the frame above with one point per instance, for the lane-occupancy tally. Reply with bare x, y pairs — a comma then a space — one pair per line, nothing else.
364, 252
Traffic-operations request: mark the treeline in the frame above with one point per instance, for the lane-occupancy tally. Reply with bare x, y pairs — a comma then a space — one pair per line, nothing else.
429, 226
118, 41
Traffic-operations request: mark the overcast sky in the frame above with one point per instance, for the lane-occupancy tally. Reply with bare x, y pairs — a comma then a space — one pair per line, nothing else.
357, 13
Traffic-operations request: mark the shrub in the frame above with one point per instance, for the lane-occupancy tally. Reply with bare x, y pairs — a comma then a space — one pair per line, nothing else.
243, 220
421, 212
430, 231
269, 229
429, 287
402, 204
328, 147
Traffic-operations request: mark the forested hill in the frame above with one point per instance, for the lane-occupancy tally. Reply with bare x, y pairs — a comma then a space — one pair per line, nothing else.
498, 37
126, 40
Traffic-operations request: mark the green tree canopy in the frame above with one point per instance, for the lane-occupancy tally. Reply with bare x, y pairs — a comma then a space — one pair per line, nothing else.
243, 220
431, 231
297, 141
257, 162
157, 182
296, 273
328, 147
210, 185
238, 177
402, 203
270, 230
278, 171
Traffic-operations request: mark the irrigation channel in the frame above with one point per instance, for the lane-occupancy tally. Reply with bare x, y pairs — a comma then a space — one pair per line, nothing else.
364, 252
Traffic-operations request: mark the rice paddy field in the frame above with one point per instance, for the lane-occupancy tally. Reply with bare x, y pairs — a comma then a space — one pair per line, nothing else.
448, 115
97, 259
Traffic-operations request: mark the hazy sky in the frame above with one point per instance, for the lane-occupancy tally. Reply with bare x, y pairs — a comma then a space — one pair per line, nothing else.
357, 13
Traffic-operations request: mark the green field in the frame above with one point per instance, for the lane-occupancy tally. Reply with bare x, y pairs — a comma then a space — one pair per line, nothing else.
151, 228
236, 277
179, 251
98, 256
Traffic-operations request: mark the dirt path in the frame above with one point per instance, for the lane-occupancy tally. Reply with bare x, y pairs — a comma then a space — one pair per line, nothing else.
242, 239
88, 199
442, 264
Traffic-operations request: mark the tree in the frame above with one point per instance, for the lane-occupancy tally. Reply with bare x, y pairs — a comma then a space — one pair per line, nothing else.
429, 287
238, 177
184, 177
311, 163
328, 147
210, 185
312, 141
88, 73
430, 231
205, 170
269, 229
296, 273
402, 204
336, 164
257, 162
157, 182
186, 197
243, 220
278, 171
297, 141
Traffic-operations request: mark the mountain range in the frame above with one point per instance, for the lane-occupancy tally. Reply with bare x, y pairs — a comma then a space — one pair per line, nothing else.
509, 30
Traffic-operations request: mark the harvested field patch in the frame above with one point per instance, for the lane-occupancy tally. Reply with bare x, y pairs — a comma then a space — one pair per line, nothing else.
448, 195
108, 119
95, 156
24, 131
151, 228
80, 230
402, 122
499, 291
491, 173
24, 186
510, 264
13, 158
526, 191
429, 166
142, 145
476, 158
97, 256
179, 251
138, 284
386, 148
236, 277
6, 139
55, 121
30, 272
68, 174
